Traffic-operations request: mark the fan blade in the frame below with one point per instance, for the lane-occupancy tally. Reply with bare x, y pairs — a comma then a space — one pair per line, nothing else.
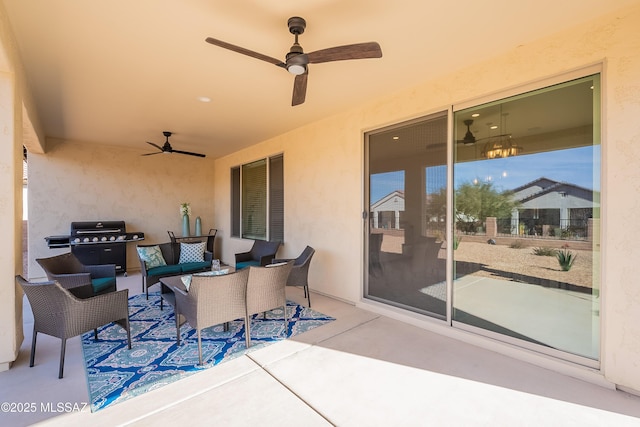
189, 153
299, 89
155, 145
151, 154
247, 52
475, 140
341, 53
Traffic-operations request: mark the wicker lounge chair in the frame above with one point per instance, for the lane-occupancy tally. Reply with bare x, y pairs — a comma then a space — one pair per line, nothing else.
59, 313
299, 275
212, 300
261, 254
81, 280
266, 291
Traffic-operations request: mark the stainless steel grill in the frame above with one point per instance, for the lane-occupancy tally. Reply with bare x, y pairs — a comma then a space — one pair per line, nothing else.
98, 242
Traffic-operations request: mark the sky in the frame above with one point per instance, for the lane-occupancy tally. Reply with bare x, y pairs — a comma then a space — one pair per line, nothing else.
574, 165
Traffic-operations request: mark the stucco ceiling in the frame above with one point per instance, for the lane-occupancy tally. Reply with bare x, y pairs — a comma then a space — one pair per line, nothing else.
120, 72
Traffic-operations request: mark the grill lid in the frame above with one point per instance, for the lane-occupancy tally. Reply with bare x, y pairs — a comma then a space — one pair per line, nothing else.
97, 227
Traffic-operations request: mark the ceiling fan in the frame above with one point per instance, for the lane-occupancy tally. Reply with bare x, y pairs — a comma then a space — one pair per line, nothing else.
469, 137
296, 60
166, 148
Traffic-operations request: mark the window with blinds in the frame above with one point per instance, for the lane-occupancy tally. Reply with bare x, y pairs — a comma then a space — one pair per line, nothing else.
257, 200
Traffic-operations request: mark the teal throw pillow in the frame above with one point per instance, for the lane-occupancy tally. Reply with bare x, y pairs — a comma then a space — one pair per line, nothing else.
152, 256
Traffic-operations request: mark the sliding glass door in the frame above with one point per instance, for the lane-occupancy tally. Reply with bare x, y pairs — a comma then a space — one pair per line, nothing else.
518, 226
527, 215
406, 231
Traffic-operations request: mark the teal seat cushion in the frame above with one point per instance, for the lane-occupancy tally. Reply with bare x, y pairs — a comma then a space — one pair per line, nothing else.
164, 270
244, 264
189, 267
102, 284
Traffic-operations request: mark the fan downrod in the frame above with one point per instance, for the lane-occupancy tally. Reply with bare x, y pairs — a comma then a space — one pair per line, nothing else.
296, 25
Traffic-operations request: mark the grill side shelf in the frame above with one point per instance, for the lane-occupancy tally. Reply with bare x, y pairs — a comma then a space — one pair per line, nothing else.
58, 241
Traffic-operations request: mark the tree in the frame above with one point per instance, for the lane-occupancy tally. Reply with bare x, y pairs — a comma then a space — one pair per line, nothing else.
475, 202
436, 206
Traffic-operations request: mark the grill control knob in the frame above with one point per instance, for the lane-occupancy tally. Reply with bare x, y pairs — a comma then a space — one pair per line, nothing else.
86, 239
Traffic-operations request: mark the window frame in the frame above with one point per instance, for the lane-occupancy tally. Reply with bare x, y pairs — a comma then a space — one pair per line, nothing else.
273, 209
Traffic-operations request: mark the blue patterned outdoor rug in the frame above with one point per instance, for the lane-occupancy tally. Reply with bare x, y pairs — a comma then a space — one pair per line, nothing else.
115, 373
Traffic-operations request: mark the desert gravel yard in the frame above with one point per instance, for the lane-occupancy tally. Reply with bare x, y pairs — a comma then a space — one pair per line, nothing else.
502, 258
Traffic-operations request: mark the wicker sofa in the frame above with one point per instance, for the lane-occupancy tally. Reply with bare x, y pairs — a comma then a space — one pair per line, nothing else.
171, 252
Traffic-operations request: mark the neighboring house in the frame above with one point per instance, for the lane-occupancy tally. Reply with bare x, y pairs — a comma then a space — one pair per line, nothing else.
547, 208
552, 208
388, 211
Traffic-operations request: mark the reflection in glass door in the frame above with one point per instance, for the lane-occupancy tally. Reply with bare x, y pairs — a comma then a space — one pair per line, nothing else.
406, 231
527, 213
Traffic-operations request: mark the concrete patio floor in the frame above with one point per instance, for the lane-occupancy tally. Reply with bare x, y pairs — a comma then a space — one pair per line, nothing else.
363, 369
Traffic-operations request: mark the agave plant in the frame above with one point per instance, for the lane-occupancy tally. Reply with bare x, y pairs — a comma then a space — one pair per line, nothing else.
456, 242
566, 258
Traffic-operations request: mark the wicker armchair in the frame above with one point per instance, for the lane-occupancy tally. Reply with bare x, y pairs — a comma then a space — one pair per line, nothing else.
81, 280
261, 254
299, 275
212, 300
59, 313
266, 291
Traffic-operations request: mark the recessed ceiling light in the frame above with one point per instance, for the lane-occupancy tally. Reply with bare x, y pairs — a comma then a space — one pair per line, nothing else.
395, 138
475, 115
204, 99
494, 127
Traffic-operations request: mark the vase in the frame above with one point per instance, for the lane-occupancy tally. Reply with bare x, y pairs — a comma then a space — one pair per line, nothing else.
185, 225
198, 231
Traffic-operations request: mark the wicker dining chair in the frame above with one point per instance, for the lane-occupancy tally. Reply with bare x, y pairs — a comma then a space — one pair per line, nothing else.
299, 275
57, 312
212, 300
266, 291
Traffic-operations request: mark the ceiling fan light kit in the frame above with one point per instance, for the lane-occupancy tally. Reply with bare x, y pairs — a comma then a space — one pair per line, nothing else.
500, 148
296, 61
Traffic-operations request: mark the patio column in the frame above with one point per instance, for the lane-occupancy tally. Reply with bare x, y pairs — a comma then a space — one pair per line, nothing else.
10, 221
17, 119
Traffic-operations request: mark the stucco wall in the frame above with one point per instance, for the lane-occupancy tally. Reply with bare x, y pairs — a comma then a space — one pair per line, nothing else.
88, 182
324, 170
